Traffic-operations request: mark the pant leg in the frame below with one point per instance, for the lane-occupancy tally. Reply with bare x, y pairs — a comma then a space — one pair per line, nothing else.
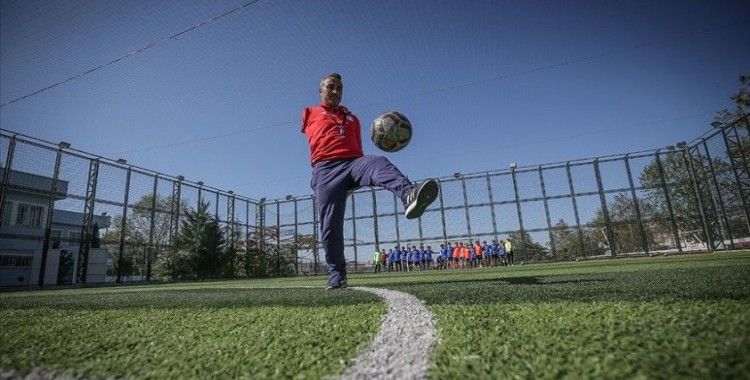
378, 171
330, 183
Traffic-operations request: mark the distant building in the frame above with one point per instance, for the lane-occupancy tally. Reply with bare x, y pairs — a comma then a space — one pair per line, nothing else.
22, 234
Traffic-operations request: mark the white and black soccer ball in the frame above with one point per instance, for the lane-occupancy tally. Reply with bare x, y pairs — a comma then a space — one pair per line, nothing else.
391, 131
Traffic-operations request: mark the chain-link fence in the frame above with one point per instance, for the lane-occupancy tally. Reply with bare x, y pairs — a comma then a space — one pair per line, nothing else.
72, 217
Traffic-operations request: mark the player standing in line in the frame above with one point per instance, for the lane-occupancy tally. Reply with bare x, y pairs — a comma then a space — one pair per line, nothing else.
339, 166
390, 260
422, 257
487, 249
480, 253
376, 260
384, 259
495, 252
404, 259
417, 257
429, 257
458, 254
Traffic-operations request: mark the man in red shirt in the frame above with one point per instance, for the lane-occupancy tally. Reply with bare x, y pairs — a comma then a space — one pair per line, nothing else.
340, 166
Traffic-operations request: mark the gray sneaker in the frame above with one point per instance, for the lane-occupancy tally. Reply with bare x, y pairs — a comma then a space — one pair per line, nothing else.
336, 284
419, 197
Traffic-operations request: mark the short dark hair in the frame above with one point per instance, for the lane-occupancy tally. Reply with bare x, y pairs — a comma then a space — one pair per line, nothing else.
331, 75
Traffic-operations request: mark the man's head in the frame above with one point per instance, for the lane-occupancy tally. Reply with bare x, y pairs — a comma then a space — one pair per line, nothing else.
331, 89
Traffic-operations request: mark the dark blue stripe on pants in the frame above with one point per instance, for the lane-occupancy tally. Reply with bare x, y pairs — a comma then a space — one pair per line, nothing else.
331, 180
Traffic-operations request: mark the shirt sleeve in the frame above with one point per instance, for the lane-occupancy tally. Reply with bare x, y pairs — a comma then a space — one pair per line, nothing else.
305, 116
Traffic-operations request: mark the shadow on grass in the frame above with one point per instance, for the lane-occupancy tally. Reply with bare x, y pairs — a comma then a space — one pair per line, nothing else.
667, 285
192, 298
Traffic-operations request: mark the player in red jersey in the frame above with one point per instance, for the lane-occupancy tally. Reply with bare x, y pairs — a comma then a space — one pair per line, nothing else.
340, 166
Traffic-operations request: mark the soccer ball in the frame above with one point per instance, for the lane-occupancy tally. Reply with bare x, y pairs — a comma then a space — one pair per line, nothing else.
391, 131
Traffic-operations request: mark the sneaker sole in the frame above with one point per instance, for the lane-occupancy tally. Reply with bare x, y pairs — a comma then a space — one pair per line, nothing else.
426, 194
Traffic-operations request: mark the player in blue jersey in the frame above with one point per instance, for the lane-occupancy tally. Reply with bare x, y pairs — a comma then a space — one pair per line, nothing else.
404, 259
391, 256
396, 258
422, 257
495, 252
428, 254
415, 257
487, 253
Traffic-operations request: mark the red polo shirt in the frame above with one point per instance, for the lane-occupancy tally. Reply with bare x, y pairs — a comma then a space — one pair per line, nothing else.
332, 133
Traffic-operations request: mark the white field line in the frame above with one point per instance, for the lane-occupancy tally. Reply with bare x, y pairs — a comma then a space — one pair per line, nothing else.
404, 344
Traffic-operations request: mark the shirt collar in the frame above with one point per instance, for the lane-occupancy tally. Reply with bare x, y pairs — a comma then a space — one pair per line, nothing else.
333, 109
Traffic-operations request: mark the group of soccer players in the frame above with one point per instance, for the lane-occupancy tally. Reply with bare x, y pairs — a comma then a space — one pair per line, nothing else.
451, 255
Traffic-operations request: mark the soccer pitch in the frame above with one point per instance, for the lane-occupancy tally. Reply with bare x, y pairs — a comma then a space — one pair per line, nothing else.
666, 317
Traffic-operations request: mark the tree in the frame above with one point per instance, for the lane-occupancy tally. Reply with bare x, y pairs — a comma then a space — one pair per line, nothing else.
199, 250
624, 224
138, 231
568, 244
527, 249
269, 258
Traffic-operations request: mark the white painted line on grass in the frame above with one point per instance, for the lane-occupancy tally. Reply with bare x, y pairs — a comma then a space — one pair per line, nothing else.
404, 344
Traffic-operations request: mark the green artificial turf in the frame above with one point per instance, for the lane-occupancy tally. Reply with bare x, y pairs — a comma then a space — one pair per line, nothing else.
682, 316
186, 333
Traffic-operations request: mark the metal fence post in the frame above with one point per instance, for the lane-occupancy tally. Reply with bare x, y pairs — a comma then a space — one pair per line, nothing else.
278, 238
737, 179
518, 208
605, 210
123, 227
664, 187
582, 248
546, 212
48, 221
296, 240
395, 215
316, 253
492, 207
230, 221
216, 208
442, 211
636, 206
691, 171
261, 214
247, 238
151, 250
354, 233
466, 206
175, 208
87, 227
6, 176
375, 219
712, 218
726, 227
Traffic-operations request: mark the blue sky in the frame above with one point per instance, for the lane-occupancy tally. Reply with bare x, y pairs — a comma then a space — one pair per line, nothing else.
484, 83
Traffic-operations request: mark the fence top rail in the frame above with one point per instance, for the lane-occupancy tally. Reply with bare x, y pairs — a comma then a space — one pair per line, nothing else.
558, 164
111, 162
